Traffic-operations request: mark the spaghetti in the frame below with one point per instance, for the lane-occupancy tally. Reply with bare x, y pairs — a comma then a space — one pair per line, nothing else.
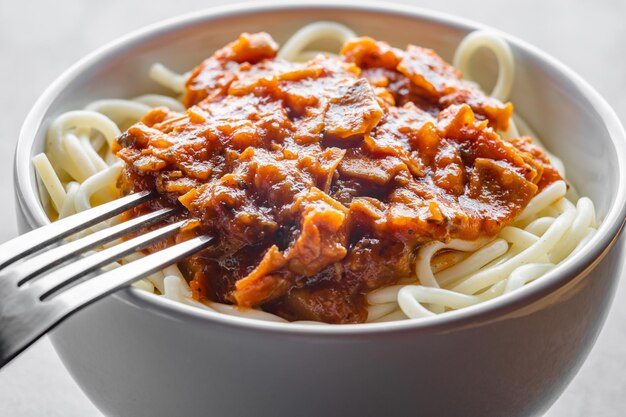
78, 170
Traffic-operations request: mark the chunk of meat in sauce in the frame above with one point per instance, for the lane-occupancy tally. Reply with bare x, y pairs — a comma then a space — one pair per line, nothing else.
212, 78
319, 180
420, 75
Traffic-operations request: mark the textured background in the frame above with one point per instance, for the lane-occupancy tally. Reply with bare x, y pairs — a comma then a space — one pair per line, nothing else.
39, 40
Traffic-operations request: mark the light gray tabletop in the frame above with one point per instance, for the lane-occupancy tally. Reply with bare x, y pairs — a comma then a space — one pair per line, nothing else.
38, 40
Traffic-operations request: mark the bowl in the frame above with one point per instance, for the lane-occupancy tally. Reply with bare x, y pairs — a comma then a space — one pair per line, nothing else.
137, 354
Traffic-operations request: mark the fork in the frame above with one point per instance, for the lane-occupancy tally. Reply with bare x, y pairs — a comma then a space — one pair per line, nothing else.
39, 270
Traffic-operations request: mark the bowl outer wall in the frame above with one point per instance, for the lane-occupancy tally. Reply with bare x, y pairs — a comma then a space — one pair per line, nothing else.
132, 362
552, 295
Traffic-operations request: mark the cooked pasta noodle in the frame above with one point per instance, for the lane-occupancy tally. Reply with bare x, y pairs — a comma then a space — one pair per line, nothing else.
78, 171
485, 39
295, 48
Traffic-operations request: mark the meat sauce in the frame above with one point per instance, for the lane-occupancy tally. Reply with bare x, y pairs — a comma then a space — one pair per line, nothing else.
319, 180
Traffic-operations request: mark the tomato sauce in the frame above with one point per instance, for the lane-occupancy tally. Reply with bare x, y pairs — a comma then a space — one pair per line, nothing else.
319, 180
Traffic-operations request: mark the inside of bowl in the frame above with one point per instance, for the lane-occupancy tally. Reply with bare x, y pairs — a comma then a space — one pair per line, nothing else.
555, 105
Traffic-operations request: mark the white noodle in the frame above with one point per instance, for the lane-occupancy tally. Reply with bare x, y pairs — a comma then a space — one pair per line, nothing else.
294, 48
485, 39
168, 78
120, 111
69, 206
474, 262
78, 169
50, 180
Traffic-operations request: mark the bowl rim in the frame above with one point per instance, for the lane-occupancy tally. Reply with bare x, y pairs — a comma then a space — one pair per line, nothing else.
578, 265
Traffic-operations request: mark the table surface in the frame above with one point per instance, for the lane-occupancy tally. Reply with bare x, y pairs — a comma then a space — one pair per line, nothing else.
38, 42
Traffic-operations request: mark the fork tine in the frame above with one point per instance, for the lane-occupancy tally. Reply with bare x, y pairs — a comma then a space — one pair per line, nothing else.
59, 278
24, 319
23, 272
39, 238
102, 285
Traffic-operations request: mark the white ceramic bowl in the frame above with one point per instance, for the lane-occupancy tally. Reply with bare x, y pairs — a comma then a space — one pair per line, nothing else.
136, 354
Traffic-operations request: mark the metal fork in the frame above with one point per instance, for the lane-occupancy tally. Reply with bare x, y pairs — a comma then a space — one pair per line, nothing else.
38, 270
